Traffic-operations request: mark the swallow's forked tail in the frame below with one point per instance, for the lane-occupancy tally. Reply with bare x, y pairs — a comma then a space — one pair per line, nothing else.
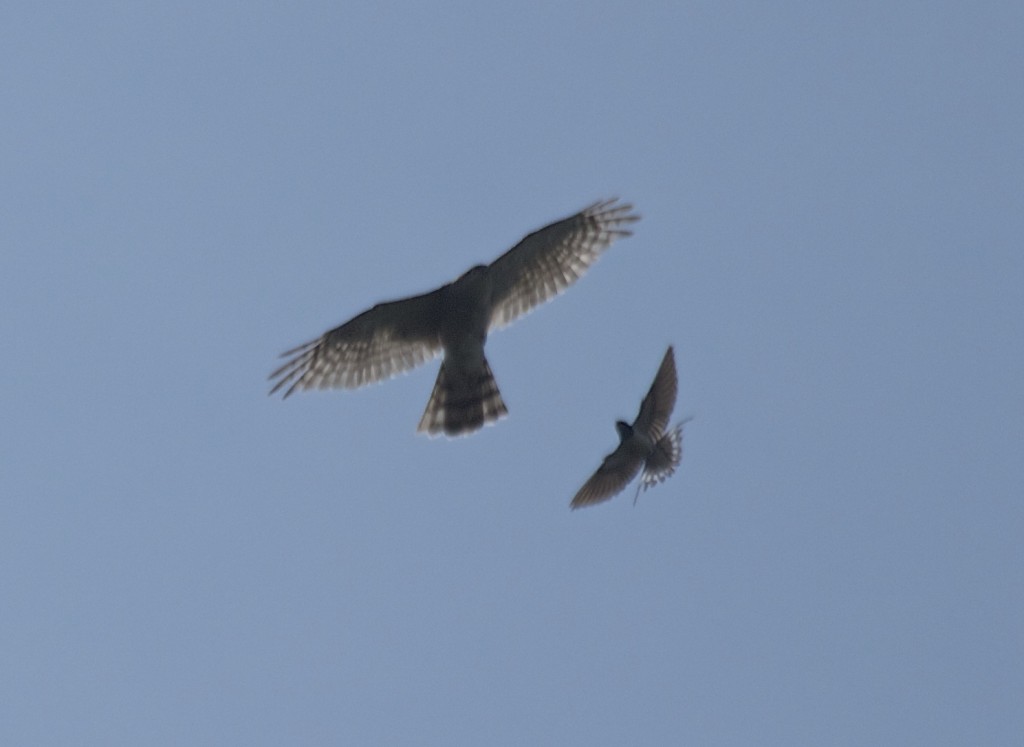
662, 462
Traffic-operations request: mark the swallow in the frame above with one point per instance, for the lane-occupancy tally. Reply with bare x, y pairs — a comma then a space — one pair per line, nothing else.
644, 445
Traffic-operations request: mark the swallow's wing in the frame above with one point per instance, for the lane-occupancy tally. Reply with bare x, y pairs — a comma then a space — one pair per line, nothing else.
614, 474
657, 406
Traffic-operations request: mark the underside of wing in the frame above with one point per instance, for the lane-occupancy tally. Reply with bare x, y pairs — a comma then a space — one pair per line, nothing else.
548, 261
656, 409
614, 474
383, 341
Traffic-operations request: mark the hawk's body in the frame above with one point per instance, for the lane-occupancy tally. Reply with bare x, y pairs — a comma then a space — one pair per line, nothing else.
454, 320
644, 446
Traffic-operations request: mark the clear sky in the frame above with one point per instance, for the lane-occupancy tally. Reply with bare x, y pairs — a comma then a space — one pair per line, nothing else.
831, 238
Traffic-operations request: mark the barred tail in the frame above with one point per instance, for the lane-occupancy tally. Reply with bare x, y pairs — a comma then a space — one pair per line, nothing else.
664, 459
462, 401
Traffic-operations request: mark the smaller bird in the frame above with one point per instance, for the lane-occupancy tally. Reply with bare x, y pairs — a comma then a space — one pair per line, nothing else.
643, 445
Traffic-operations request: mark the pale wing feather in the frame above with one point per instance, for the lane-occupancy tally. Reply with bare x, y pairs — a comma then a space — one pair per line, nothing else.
548, 261
665, 458
383, 341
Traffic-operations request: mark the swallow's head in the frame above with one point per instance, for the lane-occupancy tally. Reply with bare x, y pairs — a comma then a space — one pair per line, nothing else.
625, 429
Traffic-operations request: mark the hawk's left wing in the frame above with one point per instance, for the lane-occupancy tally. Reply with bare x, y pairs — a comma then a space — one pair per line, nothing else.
548, 261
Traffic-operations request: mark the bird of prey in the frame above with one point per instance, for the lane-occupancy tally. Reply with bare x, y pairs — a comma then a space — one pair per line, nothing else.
644, 445
454, 320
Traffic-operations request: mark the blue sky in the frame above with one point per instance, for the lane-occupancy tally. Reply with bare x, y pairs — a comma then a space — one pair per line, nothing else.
831, 238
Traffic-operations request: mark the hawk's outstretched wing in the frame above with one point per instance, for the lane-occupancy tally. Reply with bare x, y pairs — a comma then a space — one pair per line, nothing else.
549, 260
389, 338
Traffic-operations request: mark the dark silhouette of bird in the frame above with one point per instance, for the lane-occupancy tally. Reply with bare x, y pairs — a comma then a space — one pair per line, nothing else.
454, 320
644, 445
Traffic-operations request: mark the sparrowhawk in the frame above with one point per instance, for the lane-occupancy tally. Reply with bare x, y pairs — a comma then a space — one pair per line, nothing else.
454, 320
